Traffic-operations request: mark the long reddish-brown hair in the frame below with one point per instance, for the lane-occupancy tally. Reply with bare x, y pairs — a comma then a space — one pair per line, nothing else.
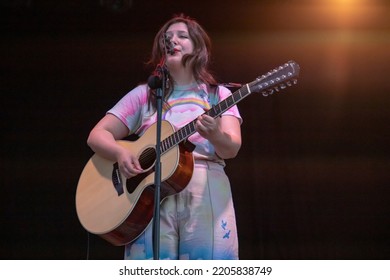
199, 60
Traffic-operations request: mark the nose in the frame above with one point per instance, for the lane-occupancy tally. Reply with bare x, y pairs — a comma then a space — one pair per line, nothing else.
174, 39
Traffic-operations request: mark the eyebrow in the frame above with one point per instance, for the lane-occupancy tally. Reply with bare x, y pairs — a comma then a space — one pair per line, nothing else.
178, 32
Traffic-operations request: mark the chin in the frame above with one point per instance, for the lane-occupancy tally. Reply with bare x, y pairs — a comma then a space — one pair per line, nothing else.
173, 61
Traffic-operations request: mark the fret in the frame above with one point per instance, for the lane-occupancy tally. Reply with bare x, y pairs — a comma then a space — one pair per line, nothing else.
249, 90
234, 96
222, 105
213, 112
180, 134
175, 139
229, 102
165, 144
162, 144
237, 95
243, 92
238, 92
188, 129
225, 105
217, 110
191, 127
183, 132
170, 142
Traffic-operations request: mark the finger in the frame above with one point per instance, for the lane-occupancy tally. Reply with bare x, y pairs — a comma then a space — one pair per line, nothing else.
208, 122
125, 172
137, 166
199, 125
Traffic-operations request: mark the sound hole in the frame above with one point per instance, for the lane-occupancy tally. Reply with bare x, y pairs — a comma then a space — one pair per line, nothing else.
147, 158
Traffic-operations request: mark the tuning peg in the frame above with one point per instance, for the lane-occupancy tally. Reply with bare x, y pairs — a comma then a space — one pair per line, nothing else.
268, 92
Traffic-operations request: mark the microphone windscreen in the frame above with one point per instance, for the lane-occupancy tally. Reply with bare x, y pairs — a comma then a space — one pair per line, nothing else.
154, 82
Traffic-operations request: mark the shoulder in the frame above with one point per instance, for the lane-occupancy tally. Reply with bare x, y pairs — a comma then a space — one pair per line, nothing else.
219, 91
133, 100
137, 94
223, 91
141, 89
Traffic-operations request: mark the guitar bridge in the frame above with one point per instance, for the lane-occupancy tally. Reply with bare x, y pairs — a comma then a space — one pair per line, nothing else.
116, 179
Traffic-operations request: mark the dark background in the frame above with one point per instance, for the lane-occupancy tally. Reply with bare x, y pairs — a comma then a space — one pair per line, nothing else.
312, 178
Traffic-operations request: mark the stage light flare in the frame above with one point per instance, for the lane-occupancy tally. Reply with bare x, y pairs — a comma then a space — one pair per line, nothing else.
351, 14
348, 2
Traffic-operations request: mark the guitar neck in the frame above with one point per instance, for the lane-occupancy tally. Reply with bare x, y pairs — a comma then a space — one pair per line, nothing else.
183, 133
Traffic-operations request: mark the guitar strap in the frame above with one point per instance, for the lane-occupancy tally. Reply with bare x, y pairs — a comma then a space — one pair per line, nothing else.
213, 95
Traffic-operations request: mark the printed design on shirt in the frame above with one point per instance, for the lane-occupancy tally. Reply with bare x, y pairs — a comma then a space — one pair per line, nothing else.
184, 110
189, 101
227, 231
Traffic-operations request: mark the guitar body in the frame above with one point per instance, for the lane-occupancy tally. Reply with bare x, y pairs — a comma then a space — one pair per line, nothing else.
120, 212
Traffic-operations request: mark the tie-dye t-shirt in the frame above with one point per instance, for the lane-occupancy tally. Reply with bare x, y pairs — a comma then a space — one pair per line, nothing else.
186, 103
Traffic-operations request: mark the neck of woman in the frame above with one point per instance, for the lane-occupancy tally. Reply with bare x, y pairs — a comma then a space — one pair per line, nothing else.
182, 76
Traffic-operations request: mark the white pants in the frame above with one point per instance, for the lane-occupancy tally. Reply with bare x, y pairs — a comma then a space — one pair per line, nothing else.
197, 223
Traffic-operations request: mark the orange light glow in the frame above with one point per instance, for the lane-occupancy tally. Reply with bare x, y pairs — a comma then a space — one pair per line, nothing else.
350, 13
347, 2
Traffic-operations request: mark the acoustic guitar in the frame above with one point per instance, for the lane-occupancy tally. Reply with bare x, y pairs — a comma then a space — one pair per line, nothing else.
119, 209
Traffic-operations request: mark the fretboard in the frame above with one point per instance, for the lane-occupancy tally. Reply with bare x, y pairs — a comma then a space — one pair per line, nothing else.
186, 131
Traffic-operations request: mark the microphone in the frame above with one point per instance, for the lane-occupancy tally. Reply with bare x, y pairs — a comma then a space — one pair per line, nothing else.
155, 81
168, 45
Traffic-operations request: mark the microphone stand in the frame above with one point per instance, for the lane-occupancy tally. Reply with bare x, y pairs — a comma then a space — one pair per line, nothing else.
158, 82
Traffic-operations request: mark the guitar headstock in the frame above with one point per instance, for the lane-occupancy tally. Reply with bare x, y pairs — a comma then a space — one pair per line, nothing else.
277, 79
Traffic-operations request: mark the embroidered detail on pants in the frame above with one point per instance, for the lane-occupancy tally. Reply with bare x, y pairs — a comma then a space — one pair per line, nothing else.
227, 231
